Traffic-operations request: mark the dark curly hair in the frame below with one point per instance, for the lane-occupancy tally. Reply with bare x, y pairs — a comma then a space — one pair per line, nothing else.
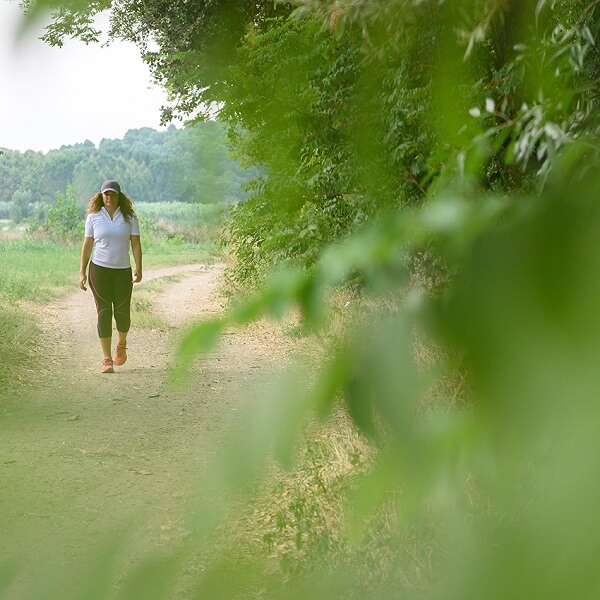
125, 204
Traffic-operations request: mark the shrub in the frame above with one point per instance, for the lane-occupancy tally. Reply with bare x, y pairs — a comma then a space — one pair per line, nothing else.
61, 221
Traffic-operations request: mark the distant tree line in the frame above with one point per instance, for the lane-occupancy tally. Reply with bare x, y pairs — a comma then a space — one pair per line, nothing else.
187, 164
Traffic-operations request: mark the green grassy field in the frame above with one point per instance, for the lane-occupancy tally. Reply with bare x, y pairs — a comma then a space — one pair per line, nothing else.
36, 270
41, 271
178, 213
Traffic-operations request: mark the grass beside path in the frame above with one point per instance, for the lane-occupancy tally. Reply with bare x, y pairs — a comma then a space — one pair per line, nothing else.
36, 270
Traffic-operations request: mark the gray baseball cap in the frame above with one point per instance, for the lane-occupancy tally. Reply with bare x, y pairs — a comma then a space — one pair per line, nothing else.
111, 186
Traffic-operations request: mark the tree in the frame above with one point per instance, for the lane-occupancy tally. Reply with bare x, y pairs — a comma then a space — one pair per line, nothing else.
195, 40
63, 218
21, 205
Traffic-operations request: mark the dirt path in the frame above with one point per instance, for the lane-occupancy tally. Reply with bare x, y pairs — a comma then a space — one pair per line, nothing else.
89, 458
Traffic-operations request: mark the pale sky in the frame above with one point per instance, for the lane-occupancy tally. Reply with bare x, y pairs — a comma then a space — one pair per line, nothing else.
51, 97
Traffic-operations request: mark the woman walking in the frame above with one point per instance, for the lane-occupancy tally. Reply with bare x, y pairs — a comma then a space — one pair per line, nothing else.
110, 228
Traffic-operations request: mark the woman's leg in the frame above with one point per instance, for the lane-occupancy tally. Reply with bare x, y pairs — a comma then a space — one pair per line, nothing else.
122, 309
102, 287
123, 286
105, 344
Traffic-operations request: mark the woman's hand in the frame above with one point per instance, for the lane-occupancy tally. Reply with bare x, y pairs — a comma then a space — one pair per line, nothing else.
86, 252
136, 247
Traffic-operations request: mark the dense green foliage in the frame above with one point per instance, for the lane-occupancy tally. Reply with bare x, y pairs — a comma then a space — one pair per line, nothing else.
399, 141
402, 98
62, 221
189, 164
363, 123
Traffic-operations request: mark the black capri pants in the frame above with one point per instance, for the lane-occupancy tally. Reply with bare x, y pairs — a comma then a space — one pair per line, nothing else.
112, 292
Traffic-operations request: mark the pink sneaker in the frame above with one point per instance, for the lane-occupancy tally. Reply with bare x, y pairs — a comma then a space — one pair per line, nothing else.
120, 356
107, 365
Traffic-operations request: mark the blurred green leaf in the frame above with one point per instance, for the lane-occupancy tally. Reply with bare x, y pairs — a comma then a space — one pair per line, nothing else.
201, 338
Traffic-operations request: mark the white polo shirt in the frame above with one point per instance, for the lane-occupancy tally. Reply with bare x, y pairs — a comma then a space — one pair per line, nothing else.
112, 238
